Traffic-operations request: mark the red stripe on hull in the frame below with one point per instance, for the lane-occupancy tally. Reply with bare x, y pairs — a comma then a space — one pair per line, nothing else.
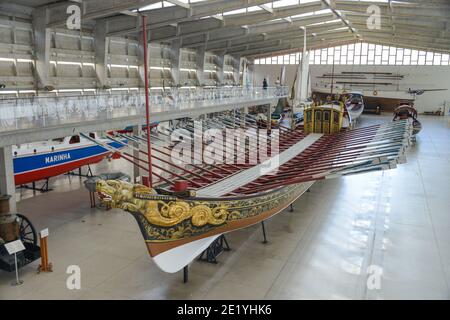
27, 177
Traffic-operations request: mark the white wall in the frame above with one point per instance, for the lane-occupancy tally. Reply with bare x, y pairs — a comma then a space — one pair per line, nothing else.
415, 77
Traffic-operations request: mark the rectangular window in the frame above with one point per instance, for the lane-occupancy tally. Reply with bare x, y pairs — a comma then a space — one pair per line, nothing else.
421, 60
392, 51
385, 55
378, 60
350, 57
280, 59
337, 55
330, 51
330, 60
364, 48
316, 59
429, 58
323, 56
371, 56
407, 60
292, 59
437, 59
358, 48
414, 57
378, 50
399, 59
392, 60
363, 60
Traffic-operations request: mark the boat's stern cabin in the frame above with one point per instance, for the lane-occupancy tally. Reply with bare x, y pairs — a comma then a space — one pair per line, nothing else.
326, 119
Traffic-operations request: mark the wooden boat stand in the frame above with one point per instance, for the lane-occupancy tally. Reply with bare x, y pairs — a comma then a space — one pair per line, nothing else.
214, 250
210, 254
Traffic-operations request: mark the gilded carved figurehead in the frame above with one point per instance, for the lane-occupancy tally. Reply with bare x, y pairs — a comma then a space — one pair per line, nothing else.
163, 211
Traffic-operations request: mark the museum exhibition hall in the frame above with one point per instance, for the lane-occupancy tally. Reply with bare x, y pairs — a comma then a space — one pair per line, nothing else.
224, 150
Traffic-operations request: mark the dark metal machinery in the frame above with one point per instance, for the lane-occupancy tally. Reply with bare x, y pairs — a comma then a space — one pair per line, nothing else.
214, 250
28, 235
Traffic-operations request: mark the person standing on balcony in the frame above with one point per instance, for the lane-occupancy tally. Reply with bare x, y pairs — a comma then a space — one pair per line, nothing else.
265, 85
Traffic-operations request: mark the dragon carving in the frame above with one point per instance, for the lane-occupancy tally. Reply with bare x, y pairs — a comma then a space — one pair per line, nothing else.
159, 210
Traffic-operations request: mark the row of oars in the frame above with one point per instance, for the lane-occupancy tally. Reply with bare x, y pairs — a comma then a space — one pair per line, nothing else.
360, 150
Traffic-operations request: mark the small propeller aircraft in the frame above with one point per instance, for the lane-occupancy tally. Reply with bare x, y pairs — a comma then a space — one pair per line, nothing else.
419, 92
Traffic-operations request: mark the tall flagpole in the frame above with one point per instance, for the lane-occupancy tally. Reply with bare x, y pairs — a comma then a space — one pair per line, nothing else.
147, 103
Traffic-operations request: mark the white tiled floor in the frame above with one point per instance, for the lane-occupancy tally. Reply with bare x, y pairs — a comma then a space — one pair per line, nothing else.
397, 220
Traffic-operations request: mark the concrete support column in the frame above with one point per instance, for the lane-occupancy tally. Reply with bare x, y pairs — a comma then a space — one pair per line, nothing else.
176, 57
237, 74
201, 55
7, 185
137, 131
42, 39
101, 47
242, 73
141, 61
221, 65
250, 73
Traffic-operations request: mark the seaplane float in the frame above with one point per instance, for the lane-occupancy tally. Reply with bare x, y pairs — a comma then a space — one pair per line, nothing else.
186, 206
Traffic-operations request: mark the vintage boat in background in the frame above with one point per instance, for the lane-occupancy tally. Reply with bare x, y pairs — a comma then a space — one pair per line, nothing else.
355, 104
42, 160
406, 111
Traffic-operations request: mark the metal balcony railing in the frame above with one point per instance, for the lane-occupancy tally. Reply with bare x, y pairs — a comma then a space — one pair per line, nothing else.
42, 112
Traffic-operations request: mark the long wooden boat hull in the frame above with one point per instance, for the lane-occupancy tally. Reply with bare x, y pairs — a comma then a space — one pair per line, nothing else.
176, 230
43, 165
178, 225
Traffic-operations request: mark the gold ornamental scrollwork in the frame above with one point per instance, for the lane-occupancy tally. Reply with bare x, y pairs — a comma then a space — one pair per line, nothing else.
136, 199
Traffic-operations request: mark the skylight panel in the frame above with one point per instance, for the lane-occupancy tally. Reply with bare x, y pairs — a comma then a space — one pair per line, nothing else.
253, 9
323, 11
243, 10
153, 6
284, 3
303, 15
